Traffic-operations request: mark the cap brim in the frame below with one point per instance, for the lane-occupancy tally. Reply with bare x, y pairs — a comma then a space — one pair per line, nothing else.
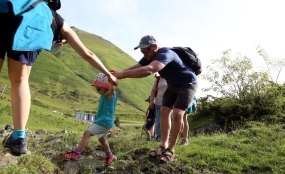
141, 46
100, 84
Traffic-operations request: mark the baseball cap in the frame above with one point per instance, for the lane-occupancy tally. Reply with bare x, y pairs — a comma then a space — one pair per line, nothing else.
146, 41
101, 81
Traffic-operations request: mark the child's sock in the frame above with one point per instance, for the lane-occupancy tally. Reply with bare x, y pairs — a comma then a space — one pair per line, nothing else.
18, 134
77, 151
109, 153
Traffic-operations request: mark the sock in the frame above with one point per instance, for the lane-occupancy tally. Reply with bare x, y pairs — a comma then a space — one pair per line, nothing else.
77, 151
109, 153
18, 134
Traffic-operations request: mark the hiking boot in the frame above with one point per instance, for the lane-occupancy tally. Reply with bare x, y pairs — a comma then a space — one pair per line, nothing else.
70, 156
17, 147
110, 159
184, 142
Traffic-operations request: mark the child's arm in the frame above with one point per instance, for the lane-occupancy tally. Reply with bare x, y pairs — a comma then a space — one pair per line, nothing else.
111, 91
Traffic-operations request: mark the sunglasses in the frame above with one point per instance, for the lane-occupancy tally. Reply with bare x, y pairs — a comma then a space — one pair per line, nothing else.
98, 88
147, 50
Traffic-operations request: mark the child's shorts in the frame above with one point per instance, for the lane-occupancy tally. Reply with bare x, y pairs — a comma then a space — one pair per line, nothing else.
99, 131
149, 124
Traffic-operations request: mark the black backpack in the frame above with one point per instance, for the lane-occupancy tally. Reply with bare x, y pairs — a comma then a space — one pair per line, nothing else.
53, 4
189, 57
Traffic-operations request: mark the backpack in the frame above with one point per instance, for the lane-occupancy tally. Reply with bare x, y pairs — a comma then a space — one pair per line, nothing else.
189, 57
53, 4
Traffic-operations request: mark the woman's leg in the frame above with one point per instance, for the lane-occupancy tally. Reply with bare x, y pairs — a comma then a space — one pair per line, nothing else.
20, 92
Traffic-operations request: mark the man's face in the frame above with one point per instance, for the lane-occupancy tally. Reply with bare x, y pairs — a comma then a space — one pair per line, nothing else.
149, 52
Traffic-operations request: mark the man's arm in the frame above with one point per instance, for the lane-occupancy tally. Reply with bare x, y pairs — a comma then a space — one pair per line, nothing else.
139, 72
74, 41
133, 67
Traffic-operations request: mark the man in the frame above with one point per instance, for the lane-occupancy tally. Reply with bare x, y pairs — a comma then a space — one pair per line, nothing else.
182, 85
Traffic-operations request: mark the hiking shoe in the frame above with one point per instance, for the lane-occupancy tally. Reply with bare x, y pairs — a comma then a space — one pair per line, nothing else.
110, 159
70, 156
184, 142
17, 147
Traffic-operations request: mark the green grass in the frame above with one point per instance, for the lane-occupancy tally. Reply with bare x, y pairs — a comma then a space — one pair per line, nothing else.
257, 148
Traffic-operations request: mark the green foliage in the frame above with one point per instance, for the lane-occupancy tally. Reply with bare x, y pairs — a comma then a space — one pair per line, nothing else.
117, 121
245, 95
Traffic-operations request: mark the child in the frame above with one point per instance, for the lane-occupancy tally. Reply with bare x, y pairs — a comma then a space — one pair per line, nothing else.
150, 120
104, 121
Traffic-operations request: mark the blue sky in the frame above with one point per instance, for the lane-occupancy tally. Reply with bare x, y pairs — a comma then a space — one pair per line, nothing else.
208, 26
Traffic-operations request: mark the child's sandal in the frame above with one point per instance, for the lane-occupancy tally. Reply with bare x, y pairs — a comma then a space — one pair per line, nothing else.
157, 152
167, 156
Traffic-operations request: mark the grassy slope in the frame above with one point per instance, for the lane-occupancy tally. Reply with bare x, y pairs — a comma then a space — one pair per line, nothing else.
61, 79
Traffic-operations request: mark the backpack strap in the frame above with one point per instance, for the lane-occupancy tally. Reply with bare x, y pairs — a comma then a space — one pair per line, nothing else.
31, 6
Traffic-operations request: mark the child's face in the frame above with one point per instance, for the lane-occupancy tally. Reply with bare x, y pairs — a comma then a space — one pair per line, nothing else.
100, 90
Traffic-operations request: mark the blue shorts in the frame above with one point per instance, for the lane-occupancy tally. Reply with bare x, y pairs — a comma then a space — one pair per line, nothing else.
7, 30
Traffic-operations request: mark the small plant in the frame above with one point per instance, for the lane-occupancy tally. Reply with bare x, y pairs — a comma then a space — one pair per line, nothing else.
117, 122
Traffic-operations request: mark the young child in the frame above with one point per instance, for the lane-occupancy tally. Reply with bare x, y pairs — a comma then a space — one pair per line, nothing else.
150, 120
104, 121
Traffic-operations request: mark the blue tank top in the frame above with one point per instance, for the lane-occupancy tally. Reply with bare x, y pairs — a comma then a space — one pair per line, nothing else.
106, 111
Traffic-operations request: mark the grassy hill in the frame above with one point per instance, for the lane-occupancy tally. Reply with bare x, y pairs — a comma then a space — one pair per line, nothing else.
61, 79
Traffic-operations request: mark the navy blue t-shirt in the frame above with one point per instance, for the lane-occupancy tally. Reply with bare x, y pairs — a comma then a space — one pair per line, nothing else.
175, 72
151, 113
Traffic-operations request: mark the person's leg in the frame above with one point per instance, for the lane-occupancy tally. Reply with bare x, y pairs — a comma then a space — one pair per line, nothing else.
157, 123
74, 155
110, 158
185, 126
148, 135
165, 125
84, 141
20, 92
104, 144
152, 132
176, 125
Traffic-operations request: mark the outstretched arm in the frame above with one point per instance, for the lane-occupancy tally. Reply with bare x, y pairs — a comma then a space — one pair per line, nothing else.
71, 37
141, 71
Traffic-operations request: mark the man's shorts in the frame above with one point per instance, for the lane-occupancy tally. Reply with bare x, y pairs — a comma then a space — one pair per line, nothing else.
99, 131
179, 97
7, 30
150, 124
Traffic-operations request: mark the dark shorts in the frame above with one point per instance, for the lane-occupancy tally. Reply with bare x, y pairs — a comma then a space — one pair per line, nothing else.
179, 97
7, 29
149, 124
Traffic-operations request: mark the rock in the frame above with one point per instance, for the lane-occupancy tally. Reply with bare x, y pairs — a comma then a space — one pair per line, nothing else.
2, 131
53, 141
70, 167
49, 153
41, 131
9, 127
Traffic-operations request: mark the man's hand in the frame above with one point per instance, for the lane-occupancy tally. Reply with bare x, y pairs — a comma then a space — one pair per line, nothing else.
116, 73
